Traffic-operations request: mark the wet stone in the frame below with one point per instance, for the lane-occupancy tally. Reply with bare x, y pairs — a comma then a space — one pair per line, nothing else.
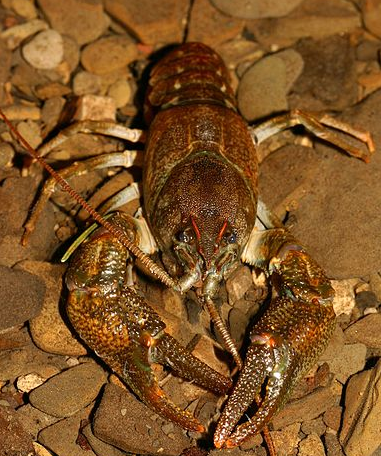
123, 421
82, 20
109, 54
255, 10
162, 24
21, 296
70, 391
13, 437
361, 432
365, 331
45, 51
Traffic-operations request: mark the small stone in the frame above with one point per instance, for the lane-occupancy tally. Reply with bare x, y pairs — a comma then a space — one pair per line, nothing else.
45, 51
361, 429
162, 24
21, 295
13, 437
346, 361
15, 35
95, 107
255, 10
238, 283
28, 382
71, 53
316, 426
31, 132
21, 112
52, 90
6, 154
332, 417
286, 439
344, 300
365, 331
135, 431
206, 351
82, 20
34, 420
62, 437
306, 408
24, 8
366, 299
237, 323
48, 330
120, 91
70, 391
332, 444
311, 446
207, 25
41, 450
371, 13
86, 83
100, 448
109, 54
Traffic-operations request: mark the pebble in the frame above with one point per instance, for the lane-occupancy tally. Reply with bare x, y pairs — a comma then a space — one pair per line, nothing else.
365, 331
286, 439
82, 20
27, 382
135, 431
310, 19
13, 437
346, 360
255, 9
86, 83
21, 295
238, 284
99, 447
332, 417
41, 450
69, 391
210, 26
7, 154
48, 330
95, 107
22, 112
361, 429
120, 92
24, 8
264, 86
109, 54
308, 407
162, 24
31, 132
332, 444
34, 420
15, 35
314, 427
62, 437
311, 446
45, 51
371, 13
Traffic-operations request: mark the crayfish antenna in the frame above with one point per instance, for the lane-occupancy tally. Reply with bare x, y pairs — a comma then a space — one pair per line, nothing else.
156, 270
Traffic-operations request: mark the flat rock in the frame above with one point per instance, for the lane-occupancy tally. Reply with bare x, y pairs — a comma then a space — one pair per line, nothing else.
49, 331
82, 20
263, 88
34, 420
45, 51
69, 391
99, 447
162, 24
324, 214
13, 437
312, 18
361, 429
255, 10
307, 407
311, 446
109, 54
365, 331
328, 81
286, 439
21, 295
207, 25
371, 13
62, 437
123, 421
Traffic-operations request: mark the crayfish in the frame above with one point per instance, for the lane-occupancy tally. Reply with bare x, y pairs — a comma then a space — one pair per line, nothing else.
202, 212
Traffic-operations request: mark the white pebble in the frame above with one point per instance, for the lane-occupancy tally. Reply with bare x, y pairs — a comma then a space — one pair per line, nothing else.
45, 51
27, 382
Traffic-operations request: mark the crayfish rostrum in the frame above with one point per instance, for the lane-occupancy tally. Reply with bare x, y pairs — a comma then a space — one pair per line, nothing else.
201, 210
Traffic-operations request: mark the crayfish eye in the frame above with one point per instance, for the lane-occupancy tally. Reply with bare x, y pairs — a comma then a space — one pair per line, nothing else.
186, 236
230, 238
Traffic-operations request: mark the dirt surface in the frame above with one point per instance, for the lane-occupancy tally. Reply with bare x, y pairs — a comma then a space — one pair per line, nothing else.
71, 60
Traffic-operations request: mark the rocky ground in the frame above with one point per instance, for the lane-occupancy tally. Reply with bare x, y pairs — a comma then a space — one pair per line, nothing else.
75, 59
